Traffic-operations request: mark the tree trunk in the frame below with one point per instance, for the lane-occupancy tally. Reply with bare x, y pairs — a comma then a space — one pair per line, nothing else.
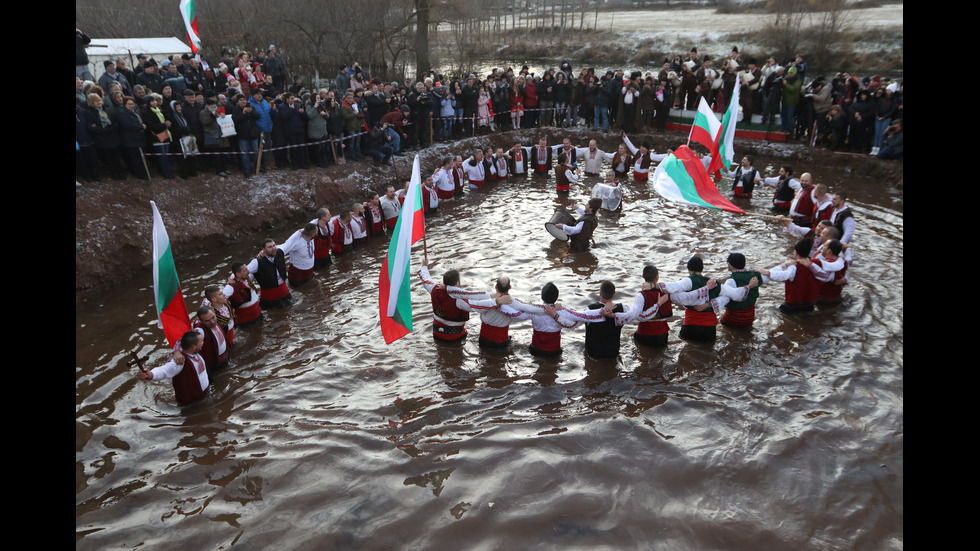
421, 37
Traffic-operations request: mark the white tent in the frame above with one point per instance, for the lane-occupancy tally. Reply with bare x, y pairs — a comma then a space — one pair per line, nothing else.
101, 49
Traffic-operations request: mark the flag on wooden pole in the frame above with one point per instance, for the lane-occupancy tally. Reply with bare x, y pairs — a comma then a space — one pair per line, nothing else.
706, 128
681, 178
169, 297
394, 292
189, 12
726, 143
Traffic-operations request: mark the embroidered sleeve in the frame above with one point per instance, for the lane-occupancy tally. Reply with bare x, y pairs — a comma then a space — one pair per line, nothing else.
796, 231
629, 144
588, 316
781, 273
731, 290
522, 306
565, 320
677, 287
506, 310
426, 279
691, 298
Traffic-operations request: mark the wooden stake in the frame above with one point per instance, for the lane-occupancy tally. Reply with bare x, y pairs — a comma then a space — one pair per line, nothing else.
258, 163
145, 167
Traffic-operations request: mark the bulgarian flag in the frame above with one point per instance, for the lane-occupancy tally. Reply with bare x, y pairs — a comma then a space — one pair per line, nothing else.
706, 129
189, 13
726, 142
394, 294
681, 178
171, 309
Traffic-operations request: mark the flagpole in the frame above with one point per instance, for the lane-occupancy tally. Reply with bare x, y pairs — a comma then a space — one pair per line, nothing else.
759, 215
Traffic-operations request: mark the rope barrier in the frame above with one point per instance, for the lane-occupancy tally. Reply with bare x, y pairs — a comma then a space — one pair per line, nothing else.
474, 119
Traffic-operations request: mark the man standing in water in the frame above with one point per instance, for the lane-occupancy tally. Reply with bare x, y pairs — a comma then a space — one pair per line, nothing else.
495, 324
580, 234
449, 309
602, 334
190, 377
242, 295
739, 293
801, 285
700, 321
390, 208
652, 329
594, 157
302, 254
565, 174
843, 219
546, 338
215, 342
269, 269
641, 159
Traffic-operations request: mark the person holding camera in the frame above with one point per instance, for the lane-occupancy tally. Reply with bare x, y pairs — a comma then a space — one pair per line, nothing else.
631, 97
395, 121
353, 122
379, 144
316, 130
447, 111
791, 98
501, 102
819, 92
420, 103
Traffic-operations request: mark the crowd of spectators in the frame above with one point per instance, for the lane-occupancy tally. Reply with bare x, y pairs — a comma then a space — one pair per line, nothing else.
169, 111
861, 116
842, 113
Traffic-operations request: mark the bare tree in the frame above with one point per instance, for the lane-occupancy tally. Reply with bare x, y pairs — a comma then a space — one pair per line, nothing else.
785, 32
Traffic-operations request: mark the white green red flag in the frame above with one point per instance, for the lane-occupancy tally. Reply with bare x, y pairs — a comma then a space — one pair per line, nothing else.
394, 291
706, 128
726, 143
189, 12
169, 297
681, 178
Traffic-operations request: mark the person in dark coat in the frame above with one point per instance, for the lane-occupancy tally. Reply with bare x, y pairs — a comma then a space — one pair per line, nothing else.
292, 116
150, 78
105, 131
335, 128
180, 128
861, 119
378, 144
86, 158
158, 130
469, 96
213, 141
247, 130
132, 137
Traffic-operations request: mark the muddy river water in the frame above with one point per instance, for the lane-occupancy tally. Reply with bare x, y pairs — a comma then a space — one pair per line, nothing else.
319, 436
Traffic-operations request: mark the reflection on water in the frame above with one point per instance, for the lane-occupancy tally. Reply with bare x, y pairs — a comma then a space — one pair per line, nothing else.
319, 436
